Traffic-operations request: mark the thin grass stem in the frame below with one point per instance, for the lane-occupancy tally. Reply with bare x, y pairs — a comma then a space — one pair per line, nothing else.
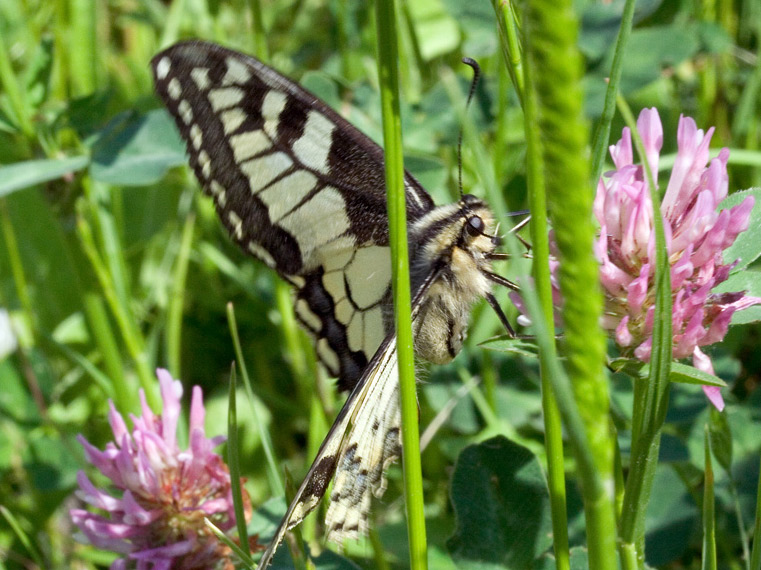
177, 299
273, 471
602, 131
651, 396
233, 462
553, 431
388, 58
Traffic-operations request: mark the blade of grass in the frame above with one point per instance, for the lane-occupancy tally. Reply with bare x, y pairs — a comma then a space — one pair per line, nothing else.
650, 397
233, 461
553, 431
602, 131
511, 49
273, 473
12, 88
709, 517
132, 337
103, 335
22, 536
177, 299
239, 552
755, 556
388, 58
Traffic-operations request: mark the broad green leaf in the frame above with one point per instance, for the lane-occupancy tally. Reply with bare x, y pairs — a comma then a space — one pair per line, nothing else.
136, 150
22, 175
501, 504
747, 246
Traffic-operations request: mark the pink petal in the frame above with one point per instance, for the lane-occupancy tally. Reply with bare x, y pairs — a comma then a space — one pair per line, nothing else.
701, 361
171, 393
651, 132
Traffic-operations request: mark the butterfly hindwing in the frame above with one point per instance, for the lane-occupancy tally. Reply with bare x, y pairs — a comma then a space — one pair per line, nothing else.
361, 443
297, 186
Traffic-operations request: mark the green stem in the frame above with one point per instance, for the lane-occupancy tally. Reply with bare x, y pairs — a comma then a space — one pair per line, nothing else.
177, 299
388, 58
511, 49
17, 267
553, 73
12, 89
132, 337
709, 520
602, 131
553, 432
755, 556
273, 473
651, 398
102, 333
233, 461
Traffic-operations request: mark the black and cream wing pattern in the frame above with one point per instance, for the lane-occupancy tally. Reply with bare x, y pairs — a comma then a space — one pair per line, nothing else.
297, 186
301, 189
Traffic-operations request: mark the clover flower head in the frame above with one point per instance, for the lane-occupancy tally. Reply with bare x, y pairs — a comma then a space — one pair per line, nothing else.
164, 493
697, 233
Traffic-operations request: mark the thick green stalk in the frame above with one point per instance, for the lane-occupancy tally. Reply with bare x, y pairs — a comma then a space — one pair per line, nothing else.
551, 32
602, 131
388, 58
651, 399
553, 432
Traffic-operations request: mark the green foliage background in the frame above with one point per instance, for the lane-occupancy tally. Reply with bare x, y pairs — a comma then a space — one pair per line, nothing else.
102, 288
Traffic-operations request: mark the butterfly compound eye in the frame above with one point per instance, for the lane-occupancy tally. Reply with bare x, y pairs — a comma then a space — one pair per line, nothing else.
474, 226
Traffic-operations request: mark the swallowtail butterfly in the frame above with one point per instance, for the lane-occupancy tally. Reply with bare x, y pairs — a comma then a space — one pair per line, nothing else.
303, 190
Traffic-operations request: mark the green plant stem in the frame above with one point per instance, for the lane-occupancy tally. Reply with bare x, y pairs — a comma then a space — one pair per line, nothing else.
553, 432
553, 73
650, 397
257, 24
602, 131
132, 337
511, 49
17, 267
273, 473
83, 52
388, 58
233, 461
103, 335
709, 521
755, 556
177, 299
12, 89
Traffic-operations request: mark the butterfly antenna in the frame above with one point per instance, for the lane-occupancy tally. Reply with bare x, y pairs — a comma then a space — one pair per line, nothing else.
476, 75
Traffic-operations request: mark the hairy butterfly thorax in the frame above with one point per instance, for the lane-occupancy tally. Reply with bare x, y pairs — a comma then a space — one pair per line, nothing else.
300, 188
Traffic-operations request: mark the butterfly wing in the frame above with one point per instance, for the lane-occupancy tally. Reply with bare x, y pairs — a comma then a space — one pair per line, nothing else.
363, 441
297, 186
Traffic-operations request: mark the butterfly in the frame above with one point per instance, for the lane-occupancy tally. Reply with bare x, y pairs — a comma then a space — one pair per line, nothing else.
301, 189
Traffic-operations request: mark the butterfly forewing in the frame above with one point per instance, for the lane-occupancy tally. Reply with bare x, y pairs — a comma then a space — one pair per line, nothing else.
296, 186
